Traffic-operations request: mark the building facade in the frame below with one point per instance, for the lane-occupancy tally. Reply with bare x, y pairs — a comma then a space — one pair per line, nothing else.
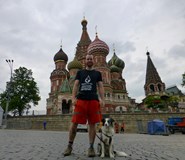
63, 76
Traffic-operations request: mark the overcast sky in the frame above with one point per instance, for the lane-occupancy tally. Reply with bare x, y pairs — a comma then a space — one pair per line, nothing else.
31, 32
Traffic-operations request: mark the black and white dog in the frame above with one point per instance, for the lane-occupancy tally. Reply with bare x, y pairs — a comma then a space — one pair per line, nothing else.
105, 147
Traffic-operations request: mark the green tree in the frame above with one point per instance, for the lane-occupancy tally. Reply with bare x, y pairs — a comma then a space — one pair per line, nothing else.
161, 102
153, 101
22, 91
183, 79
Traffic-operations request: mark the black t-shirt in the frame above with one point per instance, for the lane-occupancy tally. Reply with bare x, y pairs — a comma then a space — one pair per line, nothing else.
87, 84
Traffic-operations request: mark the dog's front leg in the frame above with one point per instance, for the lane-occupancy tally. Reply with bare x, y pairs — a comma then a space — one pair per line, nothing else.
102, 150
111, 152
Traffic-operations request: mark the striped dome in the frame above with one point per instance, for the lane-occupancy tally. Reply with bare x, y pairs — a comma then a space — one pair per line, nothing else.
98, 46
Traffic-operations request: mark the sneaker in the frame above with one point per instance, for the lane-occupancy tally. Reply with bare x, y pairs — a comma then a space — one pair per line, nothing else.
68, 151
91, 152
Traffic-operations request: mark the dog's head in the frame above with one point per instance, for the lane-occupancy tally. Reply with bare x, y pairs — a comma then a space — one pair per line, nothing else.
107, 122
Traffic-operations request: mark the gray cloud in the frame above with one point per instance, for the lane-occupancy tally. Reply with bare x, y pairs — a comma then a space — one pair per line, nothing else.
31, 34
128, 46
177, 51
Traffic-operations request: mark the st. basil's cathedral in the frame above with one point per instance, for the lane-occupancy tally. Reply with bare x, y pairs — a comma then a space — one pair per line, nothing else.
116, 95
62, 79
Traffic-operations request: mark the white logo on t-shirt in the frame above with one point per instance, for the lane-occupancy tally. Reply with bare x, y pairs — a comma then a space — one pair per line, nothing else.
87, 86
88, 79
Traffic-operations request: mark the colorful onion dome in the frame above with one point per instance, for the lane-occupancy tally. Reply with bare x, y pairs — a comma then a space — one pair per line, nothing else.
75, 64
116, 61
60, 56
114, 68
98, 46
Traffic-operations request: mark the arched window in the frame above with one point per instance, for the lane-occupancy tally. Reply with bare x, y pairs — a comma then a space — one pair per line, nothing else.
65, 107
159, 87
152, 88
108, 94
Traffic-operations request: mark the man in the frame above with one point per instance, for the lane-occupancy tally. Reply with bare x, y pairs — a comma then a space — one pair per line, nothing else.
87, 103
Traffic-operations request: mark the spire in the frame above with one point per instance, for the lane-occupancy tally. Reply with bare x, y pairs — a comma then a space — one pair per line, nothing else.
152, 75
81, 49
153, 81
85, 36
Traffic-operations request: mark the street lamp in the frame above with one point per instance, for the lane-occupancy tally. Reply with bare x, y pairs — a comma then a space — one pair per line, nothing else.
10, 63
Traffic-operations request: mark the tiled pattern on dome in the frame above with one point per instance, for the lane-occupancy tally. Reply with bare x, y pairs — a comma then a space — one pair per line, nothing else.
98, 45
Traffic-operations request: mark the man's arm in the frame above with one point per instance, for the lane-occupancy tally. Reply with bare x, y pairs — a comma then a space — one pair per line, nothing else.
101, 93
74, 92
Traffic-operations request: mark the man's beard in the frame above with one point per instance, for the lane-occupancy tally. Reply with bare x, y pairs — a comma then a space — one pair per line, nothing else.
89, 64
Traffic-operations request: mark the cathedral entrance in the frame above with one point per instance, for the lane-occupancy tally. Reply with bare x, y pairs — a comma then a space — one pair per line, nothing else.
66, 106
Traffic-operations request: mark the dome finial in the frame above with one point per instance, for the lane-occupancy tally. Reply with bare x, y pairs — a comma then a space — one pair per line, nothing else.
147, 53
147, 48
114, 47
96, 31
83, 15
61, 44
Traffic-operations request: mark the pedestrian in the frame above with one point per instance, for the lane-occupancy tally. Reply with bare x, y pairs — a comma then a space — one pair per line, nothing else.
122, 127
87, 103
44, 125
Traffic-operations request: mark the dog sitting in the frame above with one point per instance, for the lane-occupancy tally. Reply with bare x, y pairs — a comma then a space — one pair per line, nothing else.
105, 147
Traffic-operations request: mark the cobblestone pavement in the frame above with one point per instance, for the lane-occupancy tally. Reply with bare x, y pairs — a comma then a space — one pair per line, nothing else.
49, 145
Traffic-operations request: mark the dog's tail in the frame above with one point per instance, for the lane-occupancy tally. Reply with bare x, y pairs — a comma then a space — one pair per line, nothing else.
120, 154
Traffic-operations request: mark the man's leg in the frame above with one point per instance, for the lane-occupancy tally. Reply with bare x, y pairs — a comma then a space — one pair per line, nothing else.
92, 135
94, 117
72, 135
72, 132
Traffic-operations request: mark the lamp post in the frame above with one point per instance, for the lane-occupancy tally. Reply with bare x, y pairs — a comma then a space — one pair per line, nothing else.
10, 63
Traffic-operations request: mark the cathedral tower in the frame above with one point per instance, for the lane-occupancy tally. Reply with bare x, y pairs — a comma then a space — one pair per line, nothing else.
56, 104
99, 49
120, 98
81, 49
60, 73
153, 84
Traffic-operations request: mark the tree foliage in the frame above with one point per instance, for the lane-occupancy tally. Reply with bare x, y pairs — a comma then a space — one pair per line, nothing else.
22, 90
161, 102
153, 102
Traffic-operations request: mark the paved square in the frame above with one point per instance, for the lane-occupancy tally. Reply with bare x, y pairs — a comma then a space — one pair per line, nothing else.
49, 145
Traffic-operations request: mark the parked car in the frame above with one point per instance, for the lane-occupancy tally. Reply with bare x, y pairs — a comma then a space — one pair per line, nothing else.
82, 128
176, 124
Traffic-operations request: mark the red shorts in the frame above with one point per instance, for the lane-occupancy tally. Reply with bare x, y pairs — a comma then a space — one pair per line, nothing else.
87, 110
